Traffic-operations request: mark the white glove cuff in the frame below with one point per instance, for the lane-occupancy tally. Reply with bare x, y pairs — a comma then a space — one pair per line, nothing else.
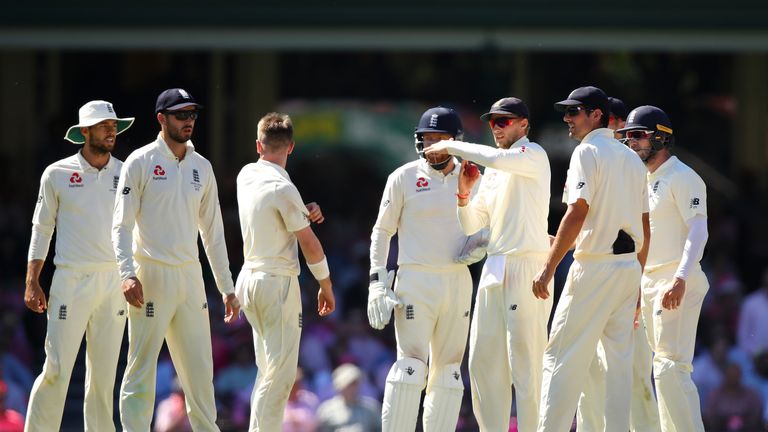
377, 274
320, 269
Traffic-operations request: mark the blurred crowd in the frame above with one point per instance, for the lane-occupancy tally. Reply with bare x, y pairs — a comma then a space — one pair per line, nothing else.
343, 362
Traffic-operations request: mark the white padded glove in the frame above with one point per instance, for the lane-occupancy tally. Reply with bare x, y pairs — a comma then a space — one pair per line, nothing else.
381, 298
474, 248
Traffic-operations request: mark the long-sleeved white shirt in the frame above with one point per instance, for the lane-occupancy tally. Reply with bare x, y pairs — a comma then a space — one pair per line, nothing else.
612, 180
419, 205
676, 196
162, 204
513, 199
77, 200
271, 211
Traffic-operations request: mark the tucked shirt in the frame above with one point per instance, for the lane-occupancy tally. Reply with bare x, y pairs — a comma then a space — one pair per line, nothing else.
419, 205
676, 194
77, 200
513, 198
611, 178
162, 204
271, 211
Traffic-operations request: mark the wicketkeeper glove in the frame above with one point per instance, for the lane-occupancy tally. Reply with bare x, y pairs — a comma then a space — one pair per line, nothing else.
381, 298
474, 248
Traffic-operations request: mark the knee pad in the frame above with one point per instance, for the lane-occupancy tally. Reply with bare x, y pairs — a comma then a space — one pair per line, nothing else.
443, 401
400, 407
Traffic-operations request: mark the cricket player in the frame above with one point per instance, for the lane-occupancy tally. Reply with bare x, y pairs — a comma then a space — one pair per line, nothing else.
77, 195
273, 218
509, 325
673, 283
644, 414
433, 290
607, 220
167, 194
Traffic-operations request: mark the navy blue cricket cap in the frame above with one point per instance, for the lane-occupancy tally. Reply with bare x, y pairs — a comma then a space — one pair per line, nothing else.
175, 99
617, 108
589, 97
507, 105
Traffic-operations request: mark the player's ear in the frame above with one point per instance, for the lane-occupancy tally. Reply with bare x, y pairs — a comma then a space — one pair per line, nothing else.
259, 147
161, 118
291, 146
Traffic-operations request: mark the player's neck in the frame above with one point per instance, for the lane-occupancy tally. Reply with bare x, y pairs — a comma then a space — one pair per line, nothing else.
277, 158
449, 168
658, 160
96, 159
179, 149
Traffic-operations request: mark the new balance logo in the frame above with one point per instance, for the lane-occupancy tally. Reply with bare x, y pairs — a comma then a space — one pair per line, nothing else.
301, 320
580, 185
409, 370
456, 376
150, 310
513, 307
695, 202
126, 190
658, 312
63, 312
409, 315
205, 305
121, 312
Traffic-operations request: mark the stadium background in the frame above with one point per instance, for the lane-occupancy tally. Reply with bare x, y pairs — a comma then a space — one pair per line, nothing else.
355, 77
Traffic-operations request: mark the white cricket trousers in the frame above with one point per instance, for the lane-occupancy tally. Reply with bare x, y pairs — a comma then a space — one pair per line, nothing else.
672, 334
644, 411
272, 304
506, 346
175, 309
597, 303
89, 302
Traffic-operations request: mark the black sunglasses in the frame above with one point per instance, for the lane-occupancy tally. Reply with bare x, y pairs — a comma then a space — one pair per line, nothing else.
573, 111
184, 114
502, 122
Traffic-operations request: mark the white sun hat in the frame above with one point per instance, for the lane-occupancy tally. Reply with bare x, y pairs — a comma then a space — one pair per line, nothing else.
94, 112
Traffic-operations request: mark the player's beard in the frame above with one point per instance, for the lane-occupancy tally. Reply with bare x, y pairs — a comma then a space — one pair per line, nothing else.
101, 146
179, 135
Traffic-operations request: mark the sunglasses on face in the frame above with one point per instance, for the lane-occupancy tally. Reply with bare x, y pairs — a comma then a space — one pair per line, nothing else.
502, 122
183, 115
573, 111
638, 134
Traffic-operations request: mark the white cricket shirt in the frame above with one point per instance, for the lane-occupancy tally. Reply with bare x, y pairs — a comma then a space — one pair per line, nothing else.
77, 200
676, 194
271, 210
513, 199
162, 204
611, 178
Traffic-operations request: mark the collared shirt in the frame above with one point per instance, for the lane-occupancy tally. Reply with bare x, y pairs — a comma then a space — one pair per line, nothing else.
419, 205
271, 211
676, 194
77, 200
513, 199
161, 205
611, 178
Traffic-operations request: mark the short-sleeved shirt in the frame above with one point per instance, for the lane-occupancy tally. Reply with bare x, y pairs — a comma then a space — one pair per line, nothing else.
611, 178
676, 194
77, 199
271, 211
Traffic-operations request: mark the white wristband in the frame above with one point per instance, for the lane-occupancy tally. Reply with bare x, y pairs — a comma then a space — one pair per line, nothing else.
320, 269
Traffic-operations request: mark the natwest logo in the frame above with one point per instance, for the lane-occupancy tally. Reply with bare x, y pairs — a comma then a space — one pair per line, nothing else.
422, 182
159, 173
75, 178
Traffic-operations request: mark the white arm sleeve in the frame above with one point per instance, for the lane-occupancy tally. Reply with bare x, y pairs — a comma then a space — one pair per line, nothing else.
127, 206
520, 160
694, 245
211, 230
387, 222
44, 219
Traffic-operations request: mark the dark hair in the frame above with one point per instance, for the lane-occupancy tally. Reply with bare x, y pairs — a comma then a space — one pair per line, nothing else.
604, 116
275, 130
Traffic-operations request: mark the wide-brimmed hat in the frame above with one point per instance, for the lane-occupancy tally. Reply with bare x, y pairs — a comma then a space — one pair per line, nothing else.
345, 375
94, 112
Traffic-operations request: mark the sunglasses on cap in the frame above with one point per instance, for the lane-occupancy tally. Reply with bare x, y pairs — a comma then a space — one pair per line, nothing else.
183, 114
502, 122
638, 134
573, 111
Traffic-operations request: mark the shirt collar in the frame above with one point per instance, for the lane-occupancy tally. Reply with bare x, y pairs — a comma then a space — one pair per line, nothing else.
275, 167
666, 166
165, 150
85, 166
599, 132
521, 142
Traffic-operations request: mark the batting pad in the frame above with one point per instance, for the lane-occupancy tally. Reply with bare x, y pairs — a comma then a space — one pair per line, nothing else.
443, 400
400, 408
